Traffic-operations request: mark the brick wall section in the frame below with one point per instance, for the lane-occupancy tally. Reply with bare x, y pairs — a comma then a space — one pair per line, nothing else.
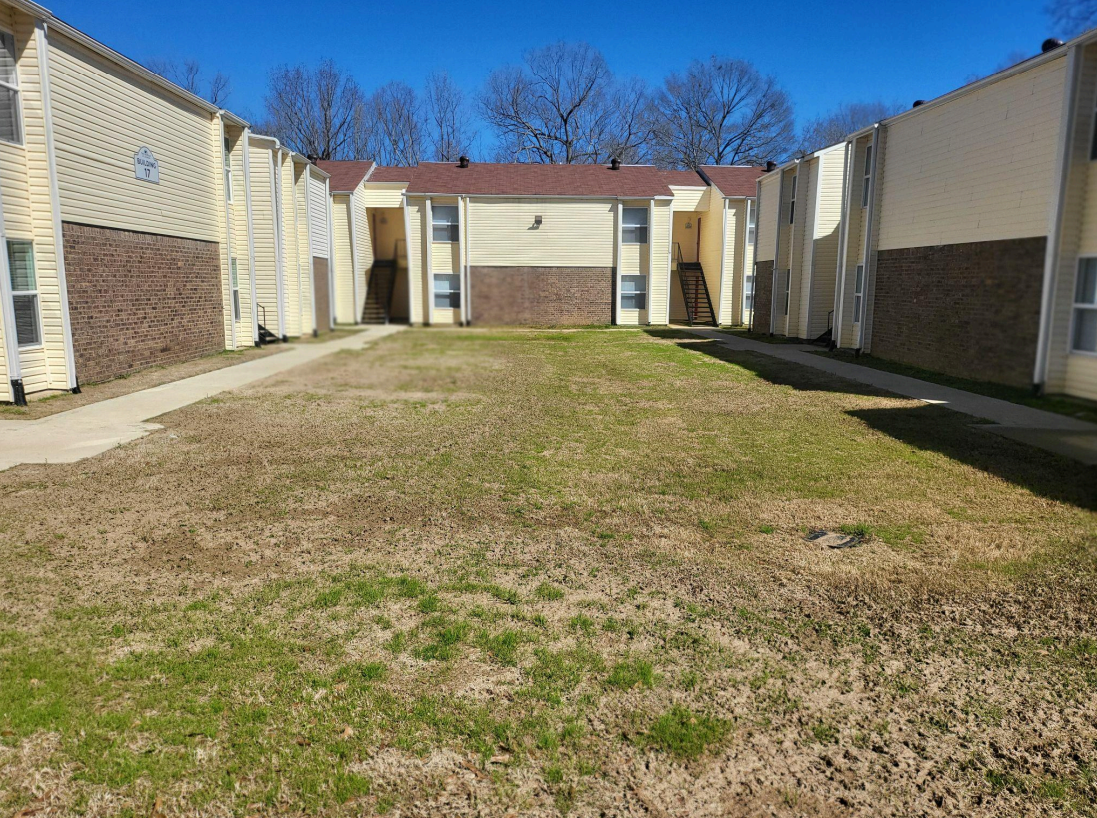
321, 294
138, 300
971, 310
763, 294
541, 296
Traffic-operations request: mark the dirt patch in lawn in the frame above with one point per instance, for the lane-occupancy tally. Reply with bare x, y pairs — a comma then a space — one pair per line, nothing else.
516, 572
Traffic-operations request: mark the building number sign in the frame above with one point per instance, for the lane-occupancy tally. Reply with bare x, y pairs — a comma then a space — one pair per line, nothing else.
145, 166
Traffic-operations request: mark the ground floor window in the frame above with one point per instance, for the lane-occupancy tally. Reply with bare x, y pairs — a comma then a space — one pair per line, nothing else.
1084, 334
858, 291
235, 291
748, 293
788, 288
634, 292
24, 293
447, 291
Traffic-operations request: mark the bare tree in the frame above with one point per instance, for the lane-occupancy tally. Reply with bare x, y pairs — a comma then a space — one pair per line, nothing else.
1072, 17
314, 110
719, 112
562, 106
842, 121
188, 75
397, 125
448, 122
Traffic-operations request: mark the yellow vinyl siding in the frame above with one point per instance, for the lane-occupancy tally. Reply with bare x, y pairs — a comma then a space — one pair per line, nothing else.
318, 213
304, 254
827, 224
241, 249
768, 217
731, 294
291, 258
342, 259
383, 194
855, 243
977, 168
416, 214
803, 238
262, 225
224, 228
712, 243
443, 257
658, 281
102, 117
574, 232
363, 246
690, 198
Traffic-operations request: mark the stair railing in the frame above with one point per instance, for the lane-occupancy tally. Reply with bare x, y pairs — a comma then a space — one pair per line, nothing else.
259, 308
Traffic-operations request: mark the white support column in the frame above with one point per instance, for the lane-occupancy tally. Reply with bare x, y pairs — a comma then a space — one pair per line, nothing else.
461, 256
670, 257
617, 266
723, 261
251, 237
352, 223
468, 267
746, 263
42, 47
331, 256
651, 258
428, 256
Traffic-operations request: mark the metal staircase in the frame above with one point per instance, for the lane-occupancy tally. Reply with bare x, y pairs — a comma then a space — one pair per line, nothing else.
691, 275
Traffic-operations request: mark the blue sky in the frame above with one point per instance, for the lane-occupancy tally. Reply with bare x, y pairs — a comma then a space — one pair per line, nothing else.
848, 52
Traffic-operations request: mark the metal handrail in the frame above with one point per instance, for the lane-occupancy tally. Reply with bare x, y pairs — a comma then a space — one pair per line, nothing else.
262, 324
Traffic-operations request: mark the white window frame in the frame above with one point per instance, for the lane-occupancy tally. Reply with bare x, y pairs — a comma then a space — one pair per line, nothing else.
24, 293
1080, 306
644, 292
752, 224
452, 228
234, 286
858, 292
792, 201
638, 232
788, 290
18, 92
226, 161
748, 292
447, 290
866, 184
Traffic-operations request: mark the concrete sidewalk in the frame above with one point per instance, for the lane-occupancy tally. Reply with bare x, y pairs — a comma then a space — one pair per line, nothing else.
1067, 436
90, 430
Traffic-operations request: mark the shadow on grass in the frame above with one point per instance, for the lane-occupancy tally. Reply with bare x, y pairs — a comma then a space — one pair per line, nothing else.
928, 428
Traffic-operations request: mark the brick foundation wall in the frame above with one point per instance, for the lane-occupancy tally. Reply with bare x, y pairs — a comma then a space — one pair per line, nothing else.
970, 310
138, 300
763, 294
320, 292
541, 296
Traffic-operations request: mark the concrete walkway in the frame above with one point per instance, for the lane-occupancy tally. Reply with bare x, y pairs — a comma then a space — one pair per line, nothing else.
1067, 436
92, 429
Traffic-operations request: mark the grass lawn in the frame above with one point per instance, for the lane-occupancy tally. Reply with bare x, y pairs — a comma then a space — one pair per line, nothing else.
538, 573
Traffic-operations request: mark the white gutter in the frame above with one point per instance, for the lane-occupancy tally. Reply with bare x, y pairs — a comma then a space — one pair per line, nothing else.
228, 229
1055, 218
251, 236
55, 203
869, 219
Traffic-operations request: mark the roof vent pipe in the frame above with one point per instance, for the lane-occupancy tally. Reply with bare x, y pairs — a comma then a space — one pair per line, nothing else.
771, 166
463, 162
918, 103
1050, 44
312, 157
615, 164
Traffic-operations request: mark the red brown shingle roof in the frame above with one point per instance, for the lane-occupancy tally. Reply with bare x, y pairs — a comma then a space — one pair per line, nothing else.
734, 181
684, 178
345, 174
391, 174
631, 181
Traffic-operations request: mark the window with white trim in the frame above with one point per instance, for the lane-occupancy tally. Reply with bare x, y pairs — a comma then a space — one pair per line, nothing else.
788, 288
748, 293
24, 293
858, 291
752, 223
447, 291
866, 182
227, 163
792, 203
443, 220
234, 281
634, 226
1083, 336
634, 292
11, 128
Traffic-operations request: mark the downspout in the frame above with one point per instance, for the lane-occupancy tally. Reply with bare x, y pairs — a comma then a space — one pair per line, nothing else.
228, 227
1055, 220
251, 236
843, 246
331, 256
276, 212
354, 266
11, 340
308, 246
55, 204
870, 218
428, 257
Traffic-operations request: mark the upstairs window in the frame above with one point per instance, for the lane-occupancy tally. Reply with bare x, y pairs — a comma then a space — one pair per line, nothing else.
444, 223
1083, 337
24, 293
866, 182
226, 161
11, 128
634, 225
792, 203
752, 223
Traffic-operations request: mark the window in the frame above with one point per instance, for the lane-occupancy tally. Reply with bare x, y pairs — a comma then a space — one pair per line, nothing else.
752, 224
866, 185
634, 226
235, 282
447, 290
11, 129
1084, 335
24, 293
227, 163
444, 222
748, 293
634, 292
792, 203
858, 291
788, 288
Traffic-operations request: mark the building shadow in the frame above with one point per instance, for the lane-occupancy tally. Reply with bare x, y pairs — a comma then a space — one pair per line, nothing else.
924, 427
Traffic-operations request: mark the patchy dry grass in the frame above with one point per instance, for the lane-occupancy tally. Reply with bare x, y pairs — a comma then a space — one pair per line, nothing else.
541, 573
